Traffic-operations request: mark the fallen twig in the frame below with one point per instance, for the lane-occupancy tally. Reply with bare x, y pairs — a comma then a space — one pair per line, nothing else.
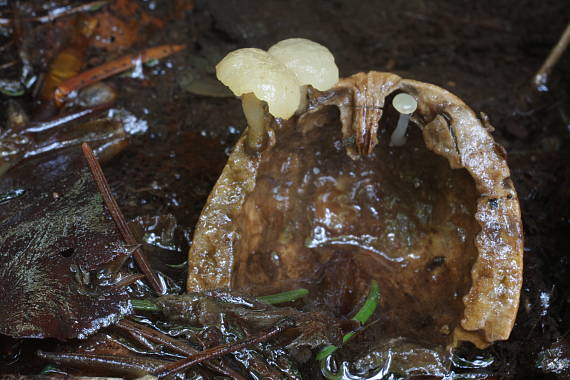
8, 65
541, 77
109, 69
175, 345
119, 218
223, 349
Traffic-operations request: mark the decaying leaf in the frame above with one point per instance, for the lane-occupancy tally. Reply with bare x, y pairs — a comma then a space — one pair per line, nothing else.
436, 222
56, 238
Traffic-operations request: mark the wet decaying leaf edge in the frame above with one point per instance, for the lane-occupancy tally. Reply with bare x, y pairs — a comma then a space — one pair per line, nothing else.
450, 129
49, 264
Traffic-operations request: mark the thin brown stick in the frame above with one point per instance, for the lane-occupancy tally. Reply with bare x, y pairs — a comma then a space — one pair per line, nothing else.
131, 366
128, 280
119, 218
223, 349
175, 345
7, 44
142, 340
7, 65
541, 77
109, 69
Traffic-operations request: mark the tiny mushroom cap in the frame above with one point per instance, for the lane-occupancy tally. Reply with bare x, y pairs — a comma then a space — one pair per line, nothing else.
404, 103
255, 71
311, 62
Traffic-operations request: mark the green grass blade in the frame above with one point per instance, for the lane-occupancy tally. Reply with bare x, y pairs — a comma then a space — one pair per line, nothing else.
291, 295
362, 316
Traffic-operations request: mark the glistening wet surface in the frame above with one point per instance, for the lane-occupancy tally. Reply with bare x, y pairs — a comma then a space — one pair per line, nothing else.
486, 52
401, 214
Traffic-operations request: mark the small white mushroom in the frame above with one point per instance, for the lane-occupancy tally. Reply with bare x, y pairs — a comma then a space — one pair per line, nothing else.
406, 105
311, 62
257, 76
278, 77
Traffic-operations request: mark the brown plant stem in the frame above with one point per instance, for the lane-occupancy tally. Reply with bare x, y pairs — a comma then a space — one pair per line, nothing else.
119, 218
109, 69
181, 365
541, 77
174, 345
130, 366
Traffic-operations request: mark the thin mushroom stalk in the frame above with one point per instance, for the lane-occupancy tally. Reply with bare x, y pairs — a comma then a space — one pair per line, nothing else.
257, 119
304, 99
406, 105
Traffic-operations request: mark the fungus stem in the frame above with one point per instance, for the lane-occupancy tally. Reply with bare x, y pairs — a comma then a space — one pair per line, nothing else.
255, 114
406, 105
291, 295
398, 137
361, 316
304, 99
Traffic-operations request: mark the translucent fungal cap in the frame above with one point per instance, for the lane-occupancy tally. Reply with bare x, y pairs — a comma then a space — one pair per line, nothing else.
254, 70
311, 62
404, 103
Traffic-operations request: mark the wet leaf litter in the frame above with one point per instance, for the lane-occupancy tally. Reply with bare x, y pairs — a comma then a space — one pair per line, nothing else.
154, 194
